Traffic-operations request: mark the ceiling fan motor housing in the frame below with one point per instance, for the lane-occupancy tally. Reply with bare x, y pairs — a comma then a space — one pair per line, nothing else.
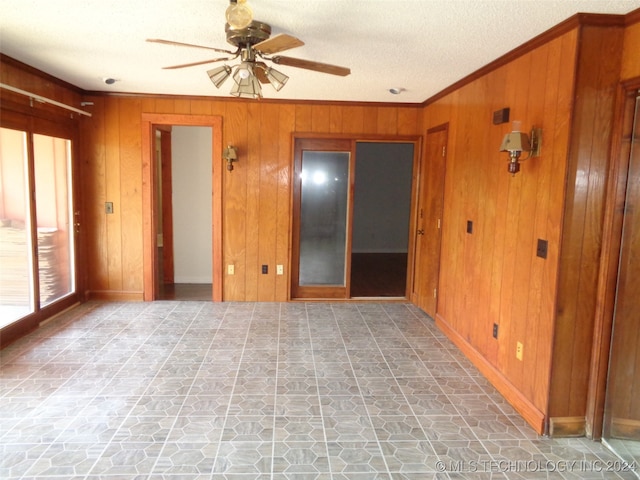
256, 32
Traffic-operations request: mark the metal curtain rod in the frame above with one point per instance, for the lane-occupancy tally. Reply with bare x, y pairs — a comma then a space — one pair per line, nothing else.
42, 99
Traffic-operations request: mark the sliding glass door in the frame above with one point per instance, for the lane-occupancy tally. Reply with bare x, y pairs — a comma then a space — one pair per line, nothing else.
622, 410
16, 275
37, 241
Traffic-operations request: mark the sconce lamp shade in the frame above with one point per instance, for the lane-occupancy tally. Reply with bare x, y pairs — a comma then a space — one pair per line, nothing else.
515, 142
230, 154
219, 75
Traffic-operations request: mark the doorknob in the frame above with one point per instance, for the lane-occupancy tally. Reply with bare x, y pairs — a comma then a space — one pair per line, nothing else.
420, 232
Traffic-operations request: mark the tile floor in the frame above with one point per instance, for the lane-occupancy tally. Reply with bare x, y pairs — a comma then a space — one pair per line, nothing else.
197, 390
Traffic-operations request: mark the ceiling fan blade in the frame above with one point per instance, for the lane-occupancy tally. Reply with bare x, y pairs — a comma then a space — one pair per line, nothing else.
277, 43
193, 64
260, 72
180, 44
311, 65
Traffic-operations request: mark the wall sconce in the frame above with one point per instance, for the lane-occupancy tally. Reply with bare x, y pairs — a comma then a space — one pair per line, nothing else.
230, 154
516, 142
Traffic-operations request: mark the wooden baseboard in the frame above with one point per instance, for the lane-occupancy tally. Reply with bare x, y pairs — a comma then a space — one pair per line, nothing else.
625, 428
567, 426
115, 296
532, 415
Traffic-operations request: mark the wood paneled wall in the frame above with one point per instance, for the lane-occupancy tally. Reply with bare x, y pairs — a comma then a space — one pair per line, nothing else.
257, 196
493, 275
597, 77
567, 87
630, 58
564, 84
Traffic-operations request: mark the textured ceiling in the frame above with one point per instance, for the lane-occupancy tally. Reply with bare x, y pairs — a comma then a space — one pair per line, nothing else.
419, 46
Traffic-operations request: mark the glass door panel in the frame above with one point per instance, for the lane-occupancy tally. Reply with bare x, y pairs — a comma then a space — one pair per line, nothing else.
16, 274
52, 171
323, 218
622, 410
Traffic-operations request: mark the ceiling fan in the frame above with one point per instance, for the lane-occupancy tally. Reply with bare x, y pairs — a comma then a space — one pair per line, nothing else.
254, 45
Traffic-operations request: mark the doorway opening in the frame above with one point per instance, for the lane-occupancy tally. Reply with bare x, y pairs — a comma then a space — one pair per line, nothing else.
185, 263
198, 217
352, 218
381, 218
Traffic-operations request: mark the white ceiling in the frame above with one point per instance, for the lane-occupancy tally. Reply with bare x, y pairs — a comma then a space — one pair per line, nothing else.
420, 46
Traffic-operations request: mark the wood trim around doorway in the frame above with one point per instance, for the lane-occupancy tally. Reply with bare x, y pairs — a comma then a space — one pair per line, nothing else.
609, 258
149, 210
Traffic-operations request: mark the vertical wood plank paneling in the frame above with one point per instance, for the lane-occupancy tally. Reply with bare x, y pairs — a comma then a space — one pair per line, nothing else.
353, 119
94, 188
526, 237
320, 118
597, 76
559, 150
235, 202
200, 107
252, 218
335, 118
148, 105
113, 194
130, 182
303, 118
387, 121
493, 184
283, 198
630, 59
370, 120
517, 76
268, 215
182, 106
165, 105
540, 305
409, 121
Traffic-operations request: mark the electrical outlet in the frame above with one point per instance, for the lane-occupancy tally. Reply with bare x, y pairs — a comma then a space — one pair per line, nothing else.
231, 269
495, 330
108, 208
265, 269
279, 269
541, 249
469, 226
519, 349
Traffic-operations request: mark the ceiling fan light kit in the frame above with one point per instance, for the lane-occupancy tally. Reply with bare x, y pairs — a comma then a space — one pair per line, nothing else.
254, 45
219, 74
238, 14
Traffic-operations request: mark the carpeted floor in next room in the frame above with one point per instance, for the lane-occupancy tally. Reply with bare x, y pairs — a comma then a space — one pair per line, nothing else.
202, 390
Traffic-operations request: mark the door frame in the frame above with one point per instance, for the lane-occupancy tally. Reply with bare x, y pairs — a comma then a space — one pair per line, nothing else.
609, 259
60, 127
430, 211
416, 140
149, 195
